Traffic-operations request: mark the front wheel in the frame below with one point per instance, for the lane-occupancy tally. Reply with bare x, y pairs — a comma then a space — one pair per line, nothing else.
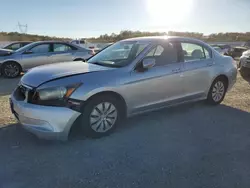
101, 116
11, 69
217, 92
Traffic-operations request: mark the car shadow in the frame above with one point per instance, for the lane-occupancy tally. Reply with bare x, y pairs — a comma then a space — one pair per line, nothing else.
8, 85
196, 113
195, 141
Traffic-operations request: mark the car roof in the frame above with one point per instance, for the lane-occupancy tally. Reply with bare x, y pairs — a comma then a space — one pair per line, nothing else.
240, 47
160, 38
41, 42
15, 42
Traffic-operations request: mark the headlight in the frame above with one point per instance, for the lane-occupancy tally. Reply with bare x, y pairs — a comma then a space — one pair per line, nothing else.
54, 96
52, 93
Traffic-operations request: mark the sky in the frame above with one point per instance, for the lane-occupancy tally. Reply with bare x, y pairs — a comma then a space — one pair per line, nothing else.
91, 18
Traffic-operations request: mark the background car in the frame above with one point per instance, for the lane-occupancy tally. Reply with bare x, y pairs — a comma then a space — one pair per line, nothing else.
129, 77
16, 45
5, 52
13, 46
237, 51
244, 63
222, 48
41, 53
218, 49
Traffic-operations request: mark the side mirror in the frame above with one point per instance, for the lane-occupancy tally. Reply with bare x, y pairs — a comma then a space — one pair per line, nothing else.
27, 52
148, 63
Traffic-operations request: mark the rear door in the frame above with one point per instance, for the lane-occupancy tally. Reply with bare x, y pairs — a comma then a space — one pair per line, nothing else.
198, 64
62, 53
36, 55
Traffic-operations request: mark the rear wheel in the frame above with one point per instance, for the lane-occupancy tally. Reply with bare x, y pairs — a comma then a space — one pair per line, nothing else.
217, 91
101, 116
11, 69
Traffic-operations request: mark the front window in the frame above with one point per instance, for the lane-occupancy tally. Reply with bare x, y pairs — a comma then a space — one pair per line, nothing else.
42, 48
119, 54
164, 54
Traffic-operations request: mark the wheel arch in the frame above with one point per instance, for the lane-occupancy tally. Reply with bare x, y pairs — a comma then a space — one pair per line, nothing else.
14, 61
75, 126
223, 77
116, 95
8, 61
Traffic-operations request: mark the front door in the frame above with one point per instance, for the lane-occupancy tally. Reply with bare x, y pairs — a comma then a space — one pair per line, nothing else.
37, 55
198, 64
61, 53
157, 86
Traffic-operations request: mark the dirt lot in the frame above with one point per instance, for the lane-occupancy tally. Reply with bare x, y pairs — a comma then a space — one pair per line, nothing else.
192, 145
6, 87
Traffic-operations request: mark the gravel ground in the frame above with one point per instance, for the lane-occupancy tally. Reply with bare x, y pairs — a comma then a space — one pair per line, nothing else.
6, 87
192, 145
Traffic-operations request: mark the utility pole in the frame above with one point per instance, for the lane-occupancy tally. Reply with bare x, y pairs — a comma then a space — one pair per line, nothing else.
23, 28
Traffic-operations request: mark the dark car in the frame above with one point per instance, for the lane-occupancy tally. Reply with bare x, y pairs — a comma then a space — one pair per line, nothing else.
237, 51
225, 48
16, 45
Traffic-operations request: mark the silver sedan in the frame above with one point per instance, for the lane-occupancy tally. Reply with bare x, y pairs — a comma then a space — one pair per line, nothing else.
12, 63
127, 78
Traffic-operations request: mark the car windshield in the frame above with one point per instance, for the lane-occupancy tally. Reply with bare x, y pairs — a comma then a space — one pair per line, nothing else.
119, 54
24, 47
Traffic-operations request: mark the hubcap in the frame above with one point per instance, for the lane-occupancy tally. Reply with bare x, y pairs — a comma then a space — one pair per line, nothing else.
11, 70
103, 117
218, 91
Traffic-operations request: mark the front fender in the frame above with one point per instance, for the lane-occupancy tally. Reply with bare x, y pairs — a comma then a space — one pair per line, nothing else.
90, 93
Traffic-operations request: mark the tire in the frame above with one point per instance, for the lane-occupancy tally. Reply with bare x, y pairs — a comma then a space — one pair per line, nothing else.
217, 91
11, 69
107, 123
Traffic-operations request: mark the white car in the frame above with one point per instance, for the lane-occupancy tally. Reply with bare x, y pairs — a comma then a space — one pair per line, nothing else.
244, 63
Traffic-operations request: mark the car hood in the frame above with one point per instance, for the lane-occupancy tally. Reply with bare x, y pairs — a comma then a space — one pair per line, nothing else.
5, 52
45, 73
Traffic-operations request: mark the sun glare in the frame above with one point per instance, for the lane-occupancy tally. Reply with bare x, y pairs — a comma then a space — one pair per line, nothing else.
168, 12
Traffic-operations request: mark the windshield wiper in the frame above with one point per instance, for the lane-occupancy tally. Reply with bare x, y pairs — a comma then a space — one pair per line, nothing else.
105, 64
